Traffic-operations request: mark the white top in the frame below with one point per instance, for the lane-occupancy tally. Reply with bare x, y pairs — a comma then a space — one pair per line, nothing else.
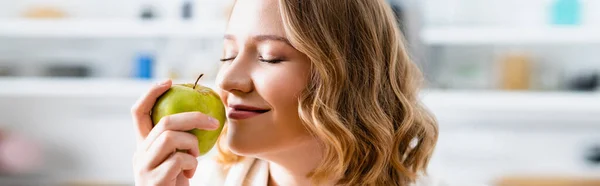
252, 172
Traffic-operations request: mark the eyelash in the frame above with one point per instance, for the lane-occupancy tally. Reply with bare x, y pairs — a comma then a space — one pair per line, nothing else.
227, 59
272, 61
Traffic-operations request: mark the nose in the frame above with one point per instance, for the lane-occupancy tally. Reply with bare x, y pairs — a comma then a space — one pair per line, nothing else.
234, 76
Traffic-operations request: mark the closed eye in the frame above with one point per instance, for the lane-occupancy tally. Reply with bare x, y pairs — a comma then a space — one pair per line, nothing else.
227, 59
260, 59
273, 61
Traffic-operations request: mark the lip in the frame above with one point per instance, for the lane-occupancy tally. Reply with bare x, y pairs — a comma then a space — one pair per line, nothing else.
240, 112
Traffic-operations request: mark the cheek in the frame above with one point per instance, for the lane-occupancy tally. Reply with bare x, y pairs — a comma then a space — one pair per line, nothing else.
279, 87
282, 88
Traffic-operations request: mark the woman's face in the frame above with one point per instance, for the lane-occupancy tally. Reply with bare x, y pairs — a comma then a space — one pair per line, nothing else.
260, 81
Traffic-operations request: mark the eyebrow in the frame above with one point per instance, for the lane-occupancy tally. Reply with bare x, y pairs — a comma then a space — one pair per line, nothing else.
263, 38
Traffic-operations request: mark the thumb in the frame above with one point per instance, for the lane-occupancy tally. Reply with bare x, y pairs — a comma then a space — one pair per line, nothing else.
142, 108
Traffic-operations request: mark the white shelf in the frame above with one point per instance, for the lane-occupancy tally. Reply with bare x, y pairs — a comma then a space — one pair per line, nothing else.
73, 87
513, 101
82, 28
514, 110
508, 35
435, 99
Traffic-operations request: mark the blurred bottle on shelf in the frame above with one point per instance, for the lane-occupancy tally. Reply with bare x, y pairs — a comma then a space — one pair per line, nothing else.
63, 69
178, 10
144, 65
566, 12
515, 72
187, 9
593, 155
148, 12
585, 81
44, 12
6, 70
144, 62
159, 10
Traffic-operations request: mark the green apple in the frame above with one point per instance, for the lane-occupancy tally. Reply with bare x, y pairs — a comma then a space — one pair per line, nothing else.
192, 98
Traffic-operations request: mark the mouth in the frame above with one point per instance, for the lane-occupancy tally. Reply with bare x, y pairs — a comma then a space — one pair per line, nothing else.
240, 112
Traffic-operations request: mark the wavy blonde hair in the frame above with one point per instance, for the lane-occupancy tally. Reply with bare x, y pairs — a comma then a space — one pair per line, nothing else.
362, 99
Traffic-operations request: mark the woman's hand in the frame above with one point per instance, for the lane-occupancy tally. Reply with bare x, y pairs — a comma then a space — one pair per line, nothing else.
166, 154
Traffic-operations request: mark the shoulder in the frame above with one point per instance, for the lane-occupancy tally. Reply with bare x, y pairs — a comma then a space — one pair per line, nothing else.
210, 172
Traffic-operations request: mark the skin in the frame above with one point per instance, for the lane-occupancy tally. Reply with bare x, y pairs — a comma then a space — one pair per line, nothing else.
260, 69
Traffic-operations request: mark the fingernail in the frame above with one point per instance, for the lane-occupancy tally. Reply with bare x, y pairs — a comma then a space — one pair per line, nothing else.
214, 122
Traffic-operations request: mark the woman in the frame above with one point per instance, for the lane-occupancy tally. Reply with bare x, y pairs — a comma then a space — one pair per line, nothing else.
318, 93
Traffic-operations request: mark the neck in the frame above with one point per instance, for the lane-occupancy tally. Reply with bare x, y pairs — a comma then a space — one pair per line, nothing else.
291, 166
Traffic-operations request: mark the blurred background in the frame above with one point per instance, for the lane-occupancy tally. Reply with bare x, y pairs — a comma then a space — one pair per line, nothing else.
514, 84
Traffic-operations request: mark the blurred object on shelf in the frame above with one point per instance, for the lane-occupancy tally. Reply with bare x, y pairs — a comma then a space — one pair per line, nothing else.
547, 181
566, 12
44, 12
187, 10
547, 76
144, 65
7, 70
585, 81
468, 74
515, 72
148, 12
593, 155
18, 154
67, 70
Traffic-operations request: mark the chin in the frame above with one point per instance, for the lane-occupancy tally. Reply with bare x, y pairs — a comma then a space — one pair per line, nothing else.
243, 144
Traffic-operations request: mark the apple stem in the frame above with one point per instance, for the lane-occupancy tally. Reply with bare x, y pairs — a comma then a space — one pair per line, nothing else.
196, 83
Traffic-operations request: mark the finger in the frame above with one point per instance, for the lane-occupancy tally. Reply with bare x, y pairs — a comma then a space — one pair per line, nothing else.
176, 164
141, 109
182, 180
169, 142
181, 122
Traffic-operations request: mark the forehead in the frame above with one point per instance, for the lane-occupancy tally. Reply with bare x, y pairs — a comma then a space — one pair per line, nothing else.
255, 17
